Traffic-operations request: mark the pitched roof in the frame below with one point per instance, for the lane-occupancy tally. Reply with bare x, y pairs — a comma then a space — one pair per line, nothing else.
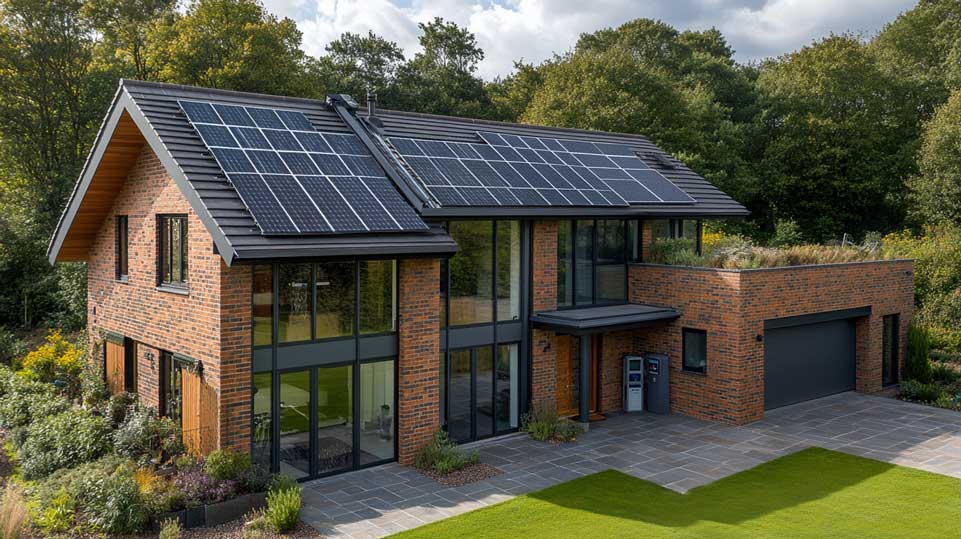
149, 113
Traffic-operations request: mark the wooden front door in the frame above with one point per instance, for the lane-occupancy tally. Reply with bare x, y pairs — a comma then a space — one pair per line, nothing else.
568, 378
114, 367
198, 417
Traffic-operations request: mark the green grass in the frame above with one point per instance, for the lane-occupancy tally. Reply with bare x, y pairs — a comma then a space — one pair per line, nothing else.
812, 493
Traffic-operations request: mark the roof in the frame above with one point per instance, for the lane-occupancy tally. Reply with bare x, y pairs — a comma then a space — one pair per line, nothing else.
601, 319
149, 113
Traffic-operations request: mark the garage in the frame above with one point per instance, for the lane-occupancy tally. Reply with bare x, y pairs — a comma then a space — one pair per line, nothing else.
809, 357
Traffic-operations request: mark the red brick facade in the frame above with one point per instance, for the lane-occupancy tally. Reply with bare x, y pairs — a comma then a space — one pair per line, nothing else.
418, 379
210, 322
544, 288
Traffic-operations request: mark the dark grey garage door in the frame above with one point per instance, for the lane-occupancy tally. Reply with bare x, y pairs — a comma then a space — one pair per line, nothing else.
808, 361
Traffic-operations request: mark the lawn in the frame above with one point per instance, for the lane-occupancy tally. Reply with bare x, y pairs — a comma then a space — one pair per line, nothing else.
812, 493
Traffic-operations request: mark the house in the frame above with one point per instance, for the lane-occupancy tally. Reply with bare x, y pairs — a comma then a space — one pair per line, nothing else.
325, 287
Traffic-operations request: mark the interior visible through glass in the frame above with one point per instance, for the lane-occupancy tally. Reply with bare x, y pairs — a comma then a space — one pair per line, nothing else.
611, 268
334, 286
295, 424
294, 303
508, 270
472, 273
261, 427
506, 393
485, 390
458, 394
377, 419
335, 430
378, 296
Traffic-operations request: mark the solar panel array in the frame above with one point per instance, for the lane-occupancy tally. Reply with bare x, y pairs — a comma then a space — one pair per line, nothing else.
510, 170
294, 179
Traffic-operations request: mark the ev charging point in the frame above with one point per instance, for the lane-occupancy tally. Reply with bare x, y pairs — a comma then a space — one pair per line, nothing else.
656, 384
633, 383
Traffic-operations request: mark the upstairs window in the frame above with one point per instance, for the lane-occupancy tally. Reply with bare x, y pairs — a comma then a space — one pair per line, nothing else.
122, 242
173, 250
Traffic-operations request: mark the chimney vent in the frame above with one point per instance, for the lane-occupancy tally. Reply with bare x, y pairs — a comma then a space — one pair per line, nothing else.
371, 104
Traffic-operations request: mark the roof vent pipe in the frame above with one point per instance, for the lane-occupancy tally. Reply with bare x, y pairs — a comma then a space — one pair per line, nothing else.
371, 104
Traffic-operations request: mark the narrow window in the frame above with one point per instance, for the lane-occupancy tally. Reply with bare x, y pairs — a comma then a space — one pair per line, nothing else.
122, 256
695, 350
173, 250
890, 347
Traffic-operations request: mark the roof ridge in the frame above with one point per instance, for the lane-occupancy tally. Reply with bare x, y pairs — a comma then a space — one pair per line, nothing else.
236, 93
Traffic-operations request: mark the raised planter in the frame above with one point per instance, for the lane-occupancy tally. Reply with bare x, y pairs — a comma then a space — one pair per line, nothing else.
214, 514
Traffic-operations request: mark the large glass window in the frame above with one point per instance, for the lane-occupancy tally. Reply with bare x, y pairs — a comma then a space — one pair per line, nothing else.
262, 428
377, 415
565, 270
295, 423
334, 289
484, 388
263, 310
459, 395
611, 267
584, 262
472, 273
378, 296
173, 250
294, 303
634, 241
335, 431
506, 403
508, 270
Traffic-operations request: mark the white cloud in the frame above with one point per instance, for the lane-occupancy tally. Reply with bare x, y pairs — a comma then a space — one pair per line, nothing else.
533, 30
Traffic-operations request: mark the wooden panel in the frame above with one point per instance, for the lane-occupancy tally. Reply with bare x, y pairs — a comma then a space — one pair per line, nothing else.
114, 368
199, 416
565, 376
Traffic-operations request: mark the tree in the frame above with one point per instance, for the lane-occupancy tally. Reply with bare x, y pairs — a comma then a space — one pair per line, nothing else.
836, 138
440, 79
230, 44
122, 25
355, 64
936, 189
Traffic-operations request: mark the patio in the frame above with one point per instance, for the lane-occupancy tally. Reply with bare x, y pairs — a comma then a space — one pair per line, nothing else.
674, 451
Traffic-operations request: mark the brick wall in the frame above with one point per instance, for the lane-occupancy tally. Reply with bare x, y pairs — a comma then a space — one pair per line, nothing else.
418, 381
733, 305
209, 323
544, 289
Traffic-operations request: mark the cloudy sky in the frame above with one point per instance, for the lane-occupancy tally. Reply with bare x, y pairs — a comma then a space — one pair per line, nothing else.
534, 29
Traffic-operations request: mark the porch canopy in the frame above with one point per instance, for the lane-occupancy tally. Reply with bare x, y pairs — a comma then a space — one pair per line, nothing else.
602, 319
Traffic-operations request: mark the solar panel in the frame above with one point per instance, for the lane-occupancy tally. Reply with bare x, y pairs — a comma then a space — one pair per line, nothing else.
294, 179
534, 171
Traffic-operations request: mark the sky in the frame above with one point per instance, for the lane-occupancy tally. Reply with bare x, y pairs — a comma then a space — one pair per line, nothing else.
533, 30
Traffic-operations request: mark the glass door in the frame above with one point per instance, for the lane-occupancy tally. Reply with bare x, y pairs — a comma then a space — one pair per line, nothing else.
482, 392
335, 419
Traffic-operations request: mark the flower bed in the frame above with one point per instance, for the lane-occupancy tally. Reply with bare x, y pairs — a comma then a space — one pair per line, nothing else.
736, 252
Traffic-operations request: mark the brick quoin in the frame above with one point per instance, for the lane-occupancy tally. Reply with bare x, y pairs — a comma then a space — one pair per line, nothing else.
418, 371
210, 323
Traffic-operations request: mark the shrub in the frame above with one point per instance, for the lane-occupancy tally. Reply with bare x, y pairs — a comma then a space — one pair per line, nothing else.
676, 252
157, 493
12, 348
198, 488
116, 407
917, 366
283, 509
93, 385
57, 360
63, 441
58, 515
914, 390
443, 456
26, 400
944, 374
145, 438
786, 233
13, 512
170, 529
542, 423
113, 502
282, 481
225, 464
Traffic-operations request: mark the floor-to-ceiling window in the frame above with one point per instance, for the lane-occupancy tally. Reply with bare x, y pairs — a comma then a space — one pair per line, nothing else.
592, 262
325, 344
483, 303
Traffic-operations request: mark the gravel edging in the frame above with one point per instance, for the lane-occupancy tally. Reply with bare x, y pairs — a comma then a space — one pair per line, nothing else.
469, 474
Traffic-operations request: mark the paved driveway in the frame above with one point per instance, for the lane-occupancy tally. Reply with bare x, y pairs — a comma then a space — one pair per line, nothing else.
675, 451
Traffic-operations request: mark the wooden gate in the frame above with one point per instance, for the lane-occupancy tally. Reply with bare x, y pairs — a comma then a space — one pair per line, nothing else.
114, 367
199, 413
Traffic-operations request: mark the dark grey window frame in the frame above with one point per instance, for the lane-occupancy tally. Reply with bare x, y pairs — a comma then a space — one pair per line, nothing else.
123, 248
895, 347
573, 265
684, 366
317, 348
163, 250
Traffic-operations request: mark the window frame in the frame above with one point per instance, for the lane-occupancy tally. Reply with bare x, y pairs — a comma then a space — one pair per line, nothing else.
165, 221
572, 264
122, 238
894, 346
693, 331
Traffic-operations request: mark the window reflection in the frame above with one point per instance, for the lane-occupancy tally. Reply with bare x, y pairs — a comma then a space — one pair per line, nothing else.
565, 273
472, 280
334, 287
294, 303
377, 415
262, 432
508, 270
378, 296
611, 268
295, 424
263, 305
335, 431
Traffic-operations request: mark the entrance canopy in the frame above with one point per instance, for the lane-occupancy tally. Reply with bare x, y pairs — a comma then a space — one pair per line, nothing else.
603, 319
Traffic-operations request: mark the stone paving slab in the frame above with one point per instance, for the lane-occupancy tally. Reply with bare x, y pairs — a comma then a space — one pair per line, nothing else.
674, 451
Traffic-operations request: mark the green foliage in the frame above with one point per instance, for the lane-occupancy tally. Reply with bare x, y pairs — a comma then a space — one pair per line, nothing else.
355, 64
914, 390
545, 425
57, 361
26, 401
283, 509
225, 464
937, 186
944, 374
59, 514
283, 482
917, 365
12, 348
144, 437
113, 502
170, 529
62, 441
443, 456
93, 385
674, 251
786, 233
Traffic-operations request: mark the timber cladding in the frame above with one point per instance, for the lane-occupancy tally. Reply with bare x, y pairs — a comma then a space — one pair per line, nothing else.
732, 307
210, 322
